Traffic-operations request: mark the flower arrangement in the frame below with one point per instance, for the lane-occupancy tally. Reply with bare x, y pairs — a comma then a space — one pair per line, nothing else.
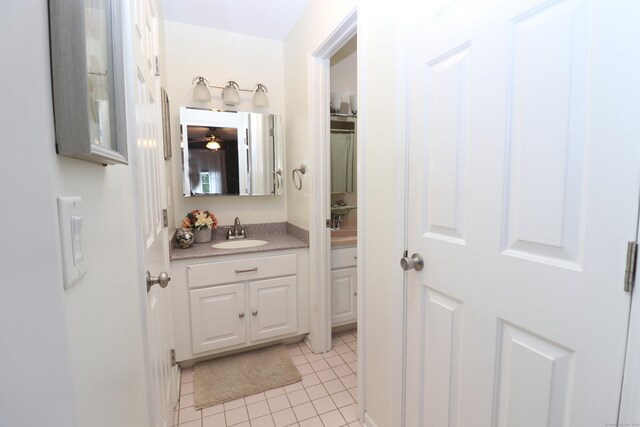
200, 220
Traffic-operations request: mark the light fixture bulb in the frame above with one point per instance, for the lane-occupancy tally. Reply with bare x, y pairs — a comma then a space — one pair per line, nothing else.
260, 99
213, 145
201, 90
230, 94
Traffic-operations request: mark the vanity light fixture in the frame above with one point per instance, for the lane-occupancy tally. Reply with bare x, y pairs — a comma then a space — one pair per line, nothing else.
260, 99
230, 92
201, 90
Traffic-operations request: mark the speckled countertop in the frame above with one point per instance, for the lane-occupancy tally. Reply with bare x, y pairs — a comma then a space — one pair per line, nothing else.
280, 236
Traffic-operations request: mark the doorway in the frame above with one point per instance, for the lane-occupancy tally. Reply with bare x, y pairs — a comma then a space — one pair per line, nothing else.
343, 193
320, 338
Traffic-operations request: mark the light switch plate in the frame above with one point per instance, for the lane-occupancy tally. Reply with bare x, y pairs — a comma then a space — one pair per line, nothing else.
71, 226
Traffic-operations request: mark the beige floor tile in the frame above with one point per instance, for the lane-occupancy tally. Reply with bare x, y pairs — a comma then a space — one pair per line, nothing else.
216, 420
332, 419
258, 409
189, 414
236, 416
316, 391
265, 421
213, 410
324, 404
284, 418
304, 411
278, 403
311, 422
298, 397
350, 413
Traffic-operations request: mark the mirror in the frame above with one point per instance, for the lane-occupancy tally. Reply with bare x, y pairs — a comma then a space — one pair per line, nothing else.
230, 153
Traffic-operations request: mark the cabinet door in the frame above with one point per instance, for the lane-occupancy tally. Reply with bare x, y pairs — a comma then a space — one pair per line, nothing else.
343, 295
218, 317
273, 306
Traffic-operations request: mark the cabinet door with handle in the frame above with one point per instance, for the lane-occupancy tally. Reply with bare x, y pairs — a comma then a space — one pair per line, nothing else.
343, 296
273, 307
218, 317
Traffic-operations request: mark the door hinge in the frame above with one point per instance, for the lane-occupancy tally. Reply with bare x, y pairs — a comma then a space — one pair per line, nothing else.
165, 218
157, 65
173, 357
630, 269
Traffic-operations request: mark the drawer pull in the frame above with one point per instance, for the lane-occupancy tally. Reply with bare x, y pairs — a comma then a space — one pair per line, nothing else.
254, 312
241, 315
247, 271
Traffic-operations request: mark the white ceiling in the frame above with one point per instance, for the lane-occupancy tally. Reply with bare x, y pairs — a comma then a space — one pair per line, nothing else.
272, 19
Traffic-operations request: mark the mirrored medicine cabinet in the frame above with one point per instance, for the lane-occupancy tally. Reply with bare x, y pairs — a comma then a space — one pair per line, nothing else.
230, 153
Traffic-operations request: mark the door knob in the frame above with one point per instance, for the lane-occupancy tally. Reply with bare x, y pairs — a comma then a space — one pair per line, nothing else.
414, 262
162, 280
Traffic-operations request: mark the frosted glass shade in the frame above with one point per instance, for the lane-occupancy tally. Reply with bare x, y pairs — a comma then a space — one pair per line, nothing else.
260, 99
336, 101
213, 145
230, 94
353, 103
201, 91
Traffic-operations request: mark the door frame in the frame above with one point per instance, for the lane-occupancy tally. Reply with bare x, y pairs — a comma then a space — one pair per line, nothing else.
629, 412
319, 67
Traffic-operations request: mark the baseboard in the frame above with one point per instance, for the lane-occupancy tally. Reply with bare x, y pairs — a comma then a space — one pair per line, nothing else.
368, 422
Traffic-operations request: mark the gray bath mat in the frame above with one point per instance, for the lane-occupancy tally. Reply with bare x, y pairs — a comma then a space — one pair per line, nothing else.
232, 377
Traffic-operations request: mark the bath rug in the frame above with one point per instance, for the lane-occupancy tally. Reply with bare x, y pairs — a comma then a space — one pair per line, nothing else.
232, 377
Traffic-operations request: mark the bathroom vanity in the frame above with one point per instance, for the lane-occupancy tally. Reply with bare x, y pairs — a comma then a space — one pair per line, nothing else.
230, 299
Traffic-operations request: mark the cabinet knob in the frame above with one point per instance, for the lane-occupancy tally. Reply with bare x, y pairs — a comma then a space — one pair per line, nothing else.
355, 294
254, 312
241, 315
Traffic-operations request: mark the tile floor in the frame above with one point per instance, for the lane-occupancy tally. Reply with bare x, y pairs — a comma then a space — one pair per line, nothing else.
326, 396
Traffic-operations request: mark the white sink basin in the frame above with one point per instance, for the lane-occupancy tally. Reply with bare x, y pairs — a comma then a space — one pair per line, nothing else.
239, 244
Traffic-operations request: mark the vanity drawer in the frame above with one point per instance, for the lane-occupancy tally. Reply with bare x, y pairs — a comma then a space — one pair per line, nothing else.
241, 270
344, 257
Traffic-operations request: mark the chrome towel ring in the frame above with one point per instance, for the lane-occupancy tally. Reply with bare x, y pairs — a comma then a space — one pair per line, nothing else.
300, 171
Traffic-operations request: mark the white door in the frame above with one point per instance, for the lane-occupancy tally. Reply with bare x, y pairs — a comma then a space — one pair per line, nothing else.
273, 304
152, 200
343, 296
218, 317
524, 151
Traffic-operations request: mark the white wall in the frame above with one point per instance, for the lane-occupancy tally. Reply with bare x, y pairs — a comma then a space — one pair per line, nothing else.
71, 357
36, 387
314, 26
382, 230
344, 65
220, 56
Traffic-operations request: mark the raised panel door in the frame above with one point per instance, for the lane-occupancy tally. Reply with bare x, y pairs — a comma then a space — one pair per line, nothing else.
523, 192
218, 317
343, 295
273, 307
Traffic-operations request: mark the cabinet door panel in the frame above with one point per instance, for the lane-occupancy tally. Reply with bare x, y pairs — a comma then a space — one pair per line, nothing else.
273, 306
343, 298
216, 320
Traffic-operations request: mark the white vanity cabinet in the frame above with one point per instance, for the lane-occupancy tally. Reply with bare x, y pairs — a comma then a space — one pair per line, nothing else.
231, 302
344, 288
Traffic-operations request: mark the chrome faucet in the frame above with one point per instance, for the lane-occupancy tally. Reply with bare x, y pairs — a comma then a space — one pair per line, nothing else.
238, 230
